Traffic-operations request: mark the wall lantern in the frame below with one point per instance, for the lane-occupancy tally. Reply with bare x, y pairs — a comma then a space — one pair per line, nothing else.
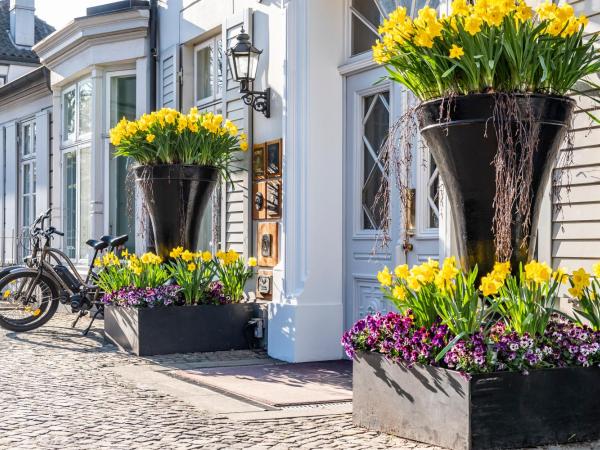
243, 60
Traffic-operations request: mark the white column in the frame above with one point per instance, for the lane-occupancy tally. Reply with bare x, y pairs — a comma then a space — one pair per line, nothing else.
306, 315
98, 155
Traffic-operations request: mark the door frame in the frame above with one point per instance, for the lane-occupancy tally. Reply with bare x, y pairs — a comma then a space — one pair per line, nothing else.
109, 162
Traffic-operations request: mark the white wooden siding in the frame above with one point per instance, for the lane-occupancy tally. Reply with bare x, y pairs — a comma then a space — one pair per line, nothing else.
235, 217
576, 224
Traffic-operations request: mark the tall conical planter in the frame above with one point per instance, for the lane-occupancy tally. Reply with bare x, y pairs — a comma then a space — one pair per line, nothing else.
463, 143
176, 197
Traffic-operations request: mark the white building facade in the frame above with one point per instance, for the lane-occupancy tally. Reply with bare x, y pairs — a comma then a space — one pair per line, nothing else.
328, 111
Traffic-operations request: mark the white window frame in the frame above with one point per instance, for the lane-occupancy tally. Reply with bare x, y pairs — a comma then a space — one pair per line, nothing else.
78, 136
110, 161
80, 252
213, 43
28, 160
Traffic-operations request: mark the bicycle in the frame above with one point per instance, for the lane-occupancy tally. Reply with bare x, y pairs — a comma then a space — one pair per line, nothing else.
30, 293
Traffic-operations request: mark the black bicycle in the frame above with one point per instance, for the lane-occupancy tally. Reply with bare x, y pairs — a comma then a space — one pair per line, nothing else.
30, 293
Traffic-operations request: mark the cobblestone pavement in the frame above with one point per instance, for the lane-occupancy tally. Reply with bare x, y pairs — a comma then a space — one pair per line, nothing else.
58, 392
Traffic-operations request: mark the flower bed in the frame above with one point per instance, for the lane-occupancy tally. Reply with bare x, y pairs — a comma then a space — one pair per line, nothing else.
479, 351
191, 303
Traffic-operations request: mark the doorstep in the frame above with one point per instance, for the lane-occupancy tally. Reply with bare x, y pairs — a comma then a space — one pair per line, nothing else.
182, 378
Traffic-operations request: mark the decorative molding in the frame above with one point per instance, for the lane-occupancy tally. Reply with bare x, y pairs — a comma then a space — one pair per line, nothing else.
78, 34
295, 126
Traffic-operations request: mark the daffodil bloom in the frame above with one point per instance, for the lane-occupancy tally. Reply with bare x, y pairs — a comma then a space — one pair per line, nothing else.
206, 256
385, 277
6, 293
191, 267
252, 261
489, 286
581, 278
456, 52
402, 271
176, 252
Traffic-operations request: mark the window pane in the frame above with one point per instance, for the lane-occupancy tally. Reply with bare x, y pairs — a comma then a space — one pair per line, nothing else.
26, 211
85, 183
70, 208
365, 21
219, 67
376, 124
26, 139
69, 116
122, 99
26, 179
85, 107
204, 73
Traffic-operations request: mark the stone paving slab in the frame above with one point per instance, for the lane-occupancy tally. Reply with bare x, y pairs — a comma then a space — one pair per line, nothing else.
60, 390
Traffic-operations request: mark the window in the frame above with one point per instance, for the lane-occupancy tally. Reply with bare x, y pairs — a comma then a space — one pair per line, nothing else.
77, 196
27, 180
77, 111
376, 124
367, 15
76, 129
121, 200
208, 71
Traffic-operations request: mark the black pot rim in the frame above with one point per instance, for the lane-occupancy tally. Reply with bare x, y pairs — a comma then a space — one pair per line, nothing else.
176, 172
492, 94
140, 166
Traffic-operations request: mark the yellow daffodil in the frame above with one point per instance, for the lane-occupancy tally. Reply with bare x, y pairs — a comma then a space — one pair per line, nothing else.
176, 252
206, 256
581, 278
6, 293
489, 286
385, 277
402, 271
150, 138
456, 52
473, 24
187, 256
252, 261
399, 292
191, 267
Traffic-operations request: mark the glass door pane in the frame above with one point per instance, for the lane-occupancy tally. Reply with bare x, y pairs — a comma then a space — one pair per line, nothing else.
122, 191
85, 184
70, 203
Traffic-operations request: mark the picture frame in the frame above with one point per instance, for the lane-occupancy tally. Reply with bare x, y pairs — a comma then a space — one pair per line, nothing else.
273, 158
258, 161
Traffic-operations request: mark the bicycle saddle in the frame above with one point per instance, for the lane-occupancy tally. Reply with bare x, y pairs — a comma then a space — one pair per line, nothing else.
97, 245
114, 241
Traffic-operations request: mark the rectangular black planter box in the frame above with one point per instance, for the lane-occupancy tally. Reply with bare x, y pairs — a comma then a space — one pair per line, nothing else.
489, 411
180, 329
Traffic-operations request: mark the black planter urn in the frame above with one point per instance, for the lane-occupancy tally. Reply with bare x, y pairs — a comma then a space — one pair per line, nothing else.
176, 197
462, 139
487, 411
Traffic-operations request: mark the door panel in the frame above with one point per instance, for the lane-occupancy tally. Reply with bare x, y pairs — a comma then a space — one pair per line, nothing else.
370, 110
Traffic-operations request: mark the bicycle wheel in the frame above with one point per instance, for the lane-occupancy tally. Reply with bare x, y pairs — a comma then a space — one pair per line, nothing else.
26, 301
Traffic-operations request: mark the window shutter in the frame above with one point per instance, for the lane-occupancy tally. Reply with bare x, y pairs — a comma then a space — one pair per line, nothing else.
42, 162
169, 78
235, 219
11, 195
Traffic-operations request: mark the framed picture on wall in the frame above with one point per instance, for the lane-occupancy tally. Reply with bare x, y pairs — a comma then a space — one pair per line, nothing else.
273, 157
258, 161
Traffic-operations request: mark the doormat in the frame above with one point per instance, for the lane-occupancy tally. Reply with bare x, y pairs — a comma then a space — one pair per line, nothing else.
278, 385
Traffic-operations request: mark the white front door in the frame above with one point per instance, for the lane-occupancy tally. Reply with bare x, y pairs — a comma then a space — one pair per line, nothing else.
371, 107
